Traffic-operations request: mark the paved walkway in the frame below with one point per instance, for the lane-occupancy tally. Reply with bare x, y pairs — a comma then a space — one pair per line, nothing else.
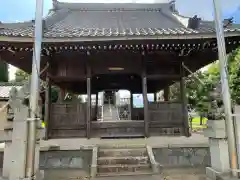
196, 140
110, 113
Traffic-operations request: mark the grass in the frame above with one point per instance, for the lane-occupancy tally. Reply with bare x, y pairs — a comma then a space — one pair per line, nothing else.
196, 124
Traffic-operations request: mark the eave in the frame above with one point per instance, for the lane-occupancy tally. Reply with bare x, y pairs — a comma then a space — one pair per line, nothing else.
118, 38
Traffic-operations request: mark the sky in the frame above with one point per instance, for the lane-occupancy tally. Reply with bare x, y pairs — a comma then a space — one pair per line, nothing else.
13, 10
22, 10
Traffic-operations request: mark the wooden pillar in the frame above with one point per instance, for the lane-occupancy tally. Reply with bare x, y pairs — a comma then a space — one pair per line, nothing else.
89, 100
155, 97
89, 106
47, 105
61, 95
96, 106
131, 105
184, 102
166, 93
145, 99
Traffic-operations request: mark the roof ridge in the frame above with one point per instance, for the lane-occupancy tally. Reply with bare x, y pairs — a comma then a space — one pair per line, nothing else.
170, 16
108, 6
56, 16
16, 24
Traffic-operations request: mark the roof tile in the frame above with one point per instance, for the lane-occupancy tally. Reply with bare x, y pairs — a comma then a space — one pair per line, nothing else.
4, 91
87, 22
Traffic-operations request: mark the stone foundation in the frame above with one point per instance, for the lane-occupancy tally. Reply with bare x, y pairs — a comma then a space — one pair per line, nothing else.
80, 160
182, 157
77, 163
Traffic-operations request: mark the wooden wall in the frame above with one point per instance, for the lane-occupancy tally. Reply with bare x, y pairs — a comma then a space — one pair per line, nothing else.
166, 118
69, 120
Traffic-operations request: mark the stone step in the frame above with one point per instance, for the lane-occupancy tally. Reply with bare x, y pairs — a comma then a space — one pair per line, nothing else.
123, 146
123, 160
122, 168
121, 152
138, 173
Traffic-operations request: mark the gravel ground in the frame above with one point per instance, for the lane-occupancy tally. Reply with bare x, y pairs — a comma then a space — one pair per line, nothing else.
168, 174
184, 174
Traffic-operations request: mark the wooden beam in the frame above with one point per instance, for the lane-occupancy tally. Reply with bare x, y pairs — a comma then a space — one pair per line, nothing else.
184, 102
163, 76
145, 99
47, 105
68, 78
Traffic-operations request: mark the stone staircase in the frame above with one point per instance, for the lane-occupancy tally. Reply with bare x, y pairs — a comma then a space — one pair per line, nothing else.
110, 113
120, 161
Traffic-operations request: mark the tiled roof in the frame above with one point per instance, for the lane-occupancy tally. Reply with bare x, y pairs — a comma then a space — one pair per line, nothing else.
4, 91
70, 20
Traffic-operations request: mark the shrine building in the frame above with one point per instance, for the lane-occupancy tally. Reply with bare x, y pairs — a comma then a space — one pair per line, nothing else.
90, 48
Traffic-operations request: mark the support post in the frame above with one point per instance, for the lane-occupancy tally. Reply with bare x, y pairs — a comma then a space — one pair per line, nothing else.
61, 95
166, 93
96, 106
184, 102
30, 170
225, 86
155, 97
47, 105
145, 99
89, 102
131, 105
89, 107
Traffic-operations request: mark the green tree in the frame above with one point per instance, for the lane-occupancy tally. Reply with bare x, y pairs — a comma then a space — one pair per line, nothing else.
234, 76
21, 76
199, 94
3, 71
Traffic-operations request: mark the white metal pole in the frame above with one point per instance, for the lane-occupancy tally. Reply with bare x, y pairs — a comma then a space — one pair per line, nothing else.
225, 86
31, 143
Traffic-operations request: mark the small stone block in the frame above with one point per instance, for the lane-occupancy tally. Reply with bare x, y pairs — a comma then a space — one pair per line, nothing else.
213, 174
215, 129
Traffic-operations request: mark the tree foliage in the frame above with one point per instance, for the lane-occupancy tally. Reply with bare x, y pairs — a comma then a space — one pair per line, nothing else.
21, 76
3, 71
198, 94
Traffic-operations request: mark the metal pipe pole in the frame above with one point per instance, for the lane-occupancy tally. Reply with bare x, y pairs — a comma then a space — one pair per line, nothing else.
31, 143
225, 86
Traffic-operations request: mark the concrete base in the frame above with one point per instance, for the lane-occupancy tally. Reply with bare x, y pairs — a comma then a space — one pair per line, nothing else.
215, 175
155, 165
196, 140
93, 171
73, 157
39, 176
219, 155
